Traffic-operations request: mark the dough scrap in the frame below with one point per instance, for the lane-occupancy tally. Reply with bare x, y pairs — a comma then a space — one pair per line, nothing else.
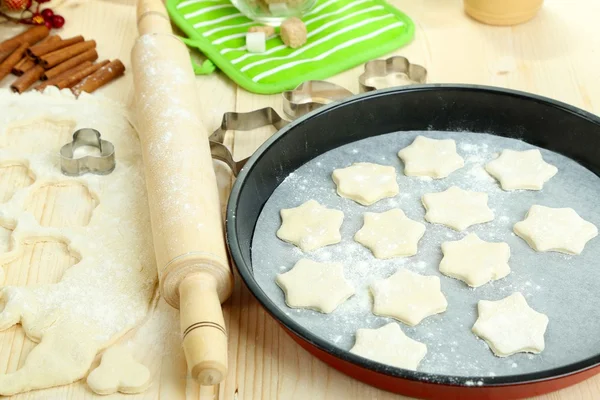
516, 170
475, 261
318, 286
408, 297
119, 372
457, 208
389, 345
110, 290
366, 183
555, 229
390, 234
310, 226
431, 157
510, 326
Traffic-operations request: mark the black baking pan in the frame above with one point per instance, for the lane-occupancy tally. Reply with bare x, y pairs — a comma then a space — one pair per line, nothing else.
540, 121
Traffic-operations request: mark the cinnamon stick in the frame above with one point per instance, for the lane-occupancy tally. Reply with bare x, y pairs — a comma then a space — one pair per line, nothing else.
27, 63
72, 80
48, 47
30, 36
90, 55
56, 57
12, 60
53, 81
104, 75
27, 80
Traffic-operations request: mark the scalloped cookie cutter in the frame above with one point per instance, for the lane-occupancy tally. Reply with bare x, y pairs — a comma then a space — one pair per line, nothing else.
102, 164
238, 121
390, 72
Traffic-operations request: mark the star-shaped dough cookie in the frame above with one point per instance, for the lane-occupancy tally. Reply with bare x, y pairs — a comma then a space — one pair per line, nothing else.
366, 183
310, 226
510, 326
318, 286
431, 157
521, 170
389, 345
408, 297
457, 208
555, 229
390, 234
475, 261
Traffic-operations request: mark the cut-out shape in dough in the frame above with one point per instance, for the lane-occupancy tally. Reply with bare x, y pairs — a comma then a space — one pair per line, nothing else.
457, 208
431, 157
24, 137
310, 226
58, 213
389, 345
390, 234
20, 265
475, 261
13, 176
366, 183
318, 286
525, 170
555, 229
119, 372
510, 326
408, 297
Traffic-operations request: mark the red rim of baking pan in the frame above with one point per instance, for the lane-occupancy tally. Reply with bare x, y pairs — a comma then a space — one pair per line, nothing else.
538, 120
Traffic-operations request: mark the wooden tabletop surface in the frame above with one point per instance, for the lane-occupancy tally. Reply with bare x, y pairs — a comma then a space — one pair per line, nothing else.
557, 55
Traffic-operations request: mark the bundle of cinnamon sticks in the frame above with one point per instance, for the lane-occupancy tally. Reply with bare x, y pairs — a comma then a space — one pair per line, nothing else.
65, 63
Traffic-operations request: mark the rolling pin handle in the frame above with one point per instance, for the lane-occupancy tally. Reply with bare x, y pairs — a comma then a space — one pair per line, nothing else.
203, 329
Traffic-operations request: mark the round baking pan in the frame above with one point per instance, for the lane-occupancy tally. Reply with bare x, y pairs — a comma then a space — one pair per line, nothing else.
539, 121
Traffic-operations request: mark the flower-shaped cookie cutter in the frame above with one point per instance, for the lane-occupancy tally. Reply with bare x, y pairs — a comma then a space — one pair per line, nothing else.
234, 121
101, 164
389, 68
310, 95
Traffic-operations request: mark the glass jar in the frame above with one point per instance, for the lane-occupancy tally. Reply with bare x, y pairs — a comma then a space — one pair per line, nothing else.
273, 12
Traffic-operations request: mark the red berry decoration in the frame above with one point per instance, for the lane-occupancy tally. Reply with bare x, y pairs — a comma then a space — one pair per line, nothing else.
37, 19
57, 21
47, 14
48, 24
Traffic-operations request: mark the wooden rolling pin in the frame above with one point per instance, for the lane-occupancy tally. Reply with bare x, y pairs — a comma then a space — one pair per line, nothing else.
187, 228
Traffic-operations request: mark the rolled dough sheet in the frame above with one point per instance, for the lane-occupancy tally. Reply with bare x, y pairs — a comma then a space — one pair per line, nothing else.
109, 291
560, 286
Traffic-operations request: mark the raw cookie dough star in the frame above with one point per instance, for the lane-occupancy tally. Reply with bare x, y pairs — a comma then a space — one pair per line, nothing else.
389, 345
457, 208
366, 183
408, 297
475, 261
555, 229
521, 170
310, 226
510, 326
318, 286
431, 157
390, 234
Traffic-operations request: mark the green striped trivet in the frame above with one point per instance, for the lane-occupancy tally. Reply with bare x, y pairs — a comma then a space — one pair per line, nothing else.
341, 35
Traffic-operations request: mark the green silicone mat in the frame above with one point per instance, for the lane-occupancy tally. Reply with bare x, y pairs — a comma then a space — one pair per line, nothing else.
341, 35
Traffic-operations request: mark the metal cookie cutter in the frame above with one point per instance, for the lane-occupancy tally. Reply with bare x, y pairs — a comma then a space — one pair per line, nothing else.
390, 71
310, 95
101, 164
241, 122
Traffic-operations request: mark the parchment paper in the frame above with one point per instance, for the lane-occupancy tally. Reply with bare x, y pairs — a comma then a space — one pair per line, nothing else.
565, 288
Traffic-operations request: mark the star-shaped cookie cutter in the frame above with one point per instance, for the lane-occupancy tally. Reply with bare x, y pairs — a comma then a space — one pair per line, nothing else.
234, 121
102, 164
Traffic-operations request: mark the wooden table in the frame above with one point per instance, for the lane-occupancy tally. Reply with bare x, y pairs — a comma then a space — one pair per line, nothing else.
557, 55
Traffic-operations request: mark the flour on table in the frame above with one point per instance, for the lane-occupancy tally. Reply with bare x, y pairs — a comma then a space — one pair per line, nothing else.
109, 291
